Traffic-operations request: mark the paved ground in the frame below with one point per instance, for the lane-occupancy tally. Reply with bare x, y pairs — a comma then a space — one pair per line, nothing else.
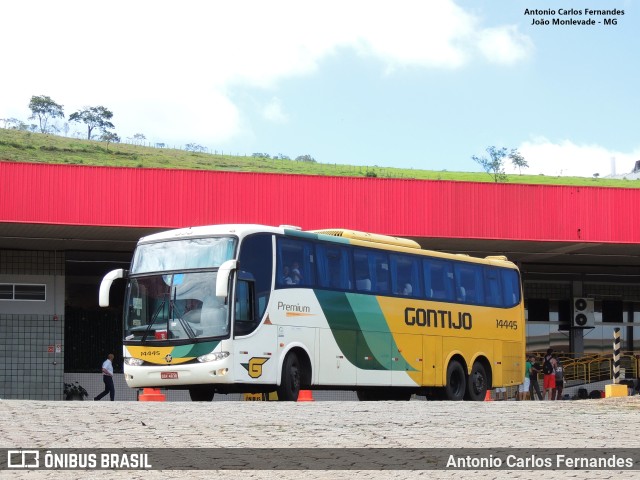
606, 423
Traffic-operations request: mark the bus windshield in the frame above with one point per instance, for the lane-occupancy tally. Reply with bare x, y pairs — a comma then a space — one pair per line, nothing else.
177, 306
183, 254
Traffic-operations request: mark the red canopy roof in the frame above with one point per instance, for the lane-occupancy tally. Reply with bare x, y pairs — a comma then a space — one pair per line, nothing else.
138, 197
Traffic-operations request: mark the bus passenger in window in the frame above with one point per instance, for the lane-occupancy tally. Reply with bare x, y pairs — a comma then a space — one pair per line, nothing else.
286, 276
407, 290
295, 267
296, 276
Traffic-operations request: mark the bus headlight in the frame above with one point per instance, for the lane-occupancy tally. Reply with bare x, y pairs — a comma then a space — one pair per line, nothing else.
213, 356
133, 361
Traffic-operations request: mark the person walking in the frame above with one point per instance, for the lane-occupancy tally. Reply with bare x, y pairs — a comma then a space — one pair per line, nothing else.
107, 378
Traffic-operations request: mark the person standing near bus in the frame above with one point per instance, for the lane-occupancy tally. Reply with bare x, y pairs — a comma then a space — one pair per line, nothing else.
533, 378
556, 394
549, 372
107, 378
523, 389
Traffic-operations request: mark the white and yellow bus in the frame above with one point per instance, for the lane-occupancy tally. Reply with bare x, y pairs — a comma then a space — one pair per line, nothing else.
249, 308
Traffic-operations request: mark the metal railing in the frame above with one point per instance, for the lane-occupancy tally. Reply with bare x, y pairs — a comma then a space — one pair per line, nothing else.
592, 367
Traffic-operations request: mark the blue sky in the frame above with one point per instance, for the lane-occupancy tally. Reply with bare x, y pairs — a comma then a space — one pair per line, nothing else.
414, 84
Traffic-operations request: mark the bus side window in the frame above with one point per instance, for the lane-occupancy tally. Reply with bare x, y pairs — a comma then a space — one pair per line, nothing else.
405, 275
295, 263
381, 262
256, 253
361, 267
334, 267
469, 283
510, 287
438, 278
244, 315
372, 271
493, 292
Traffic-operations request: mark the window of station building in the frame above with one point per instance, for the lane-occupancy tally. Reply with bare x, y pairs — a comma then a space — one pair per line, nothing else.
612, 311
564, 314
23, 292
537, 309
6, 291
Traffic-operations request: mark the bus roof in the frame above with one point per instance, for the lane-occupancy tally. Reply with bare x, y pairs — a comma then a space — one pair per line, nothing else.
337, 235
239, 230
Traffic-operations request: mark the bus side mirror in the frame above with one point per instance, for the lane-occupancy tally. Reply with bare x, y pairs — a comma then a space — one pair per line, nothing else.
224, 273
105, 286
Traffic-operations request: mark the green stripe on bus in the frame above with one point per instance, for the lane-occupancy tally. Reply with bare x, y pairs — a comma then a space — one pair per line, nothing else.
341, 320
347, 332
195, 350
376, 330
375, 334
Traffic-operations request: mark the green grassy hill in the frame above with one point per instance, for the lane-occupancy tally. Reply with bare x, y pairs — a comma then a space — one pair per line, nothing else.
20, 146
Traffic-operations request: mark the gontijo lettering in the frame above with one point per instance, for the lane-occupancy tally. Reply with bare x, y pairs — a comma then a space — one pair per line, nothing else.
437, 318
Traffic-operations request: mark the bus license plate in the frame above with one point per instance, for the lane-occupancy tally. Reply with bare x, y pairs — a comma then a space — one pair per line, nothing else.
168, 375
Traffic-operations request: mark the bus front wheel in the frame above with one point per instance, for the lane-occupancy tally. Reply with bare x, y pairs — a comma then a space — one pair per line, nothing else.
291, 379
456, 381
201, 393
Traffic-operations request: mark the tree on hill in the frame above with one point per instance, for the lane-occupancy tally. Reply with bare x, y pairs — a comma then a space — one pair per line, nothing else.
194, 147
93, 117
518, 161
43, 108
494, 164
139, 138
14, 124
110, 137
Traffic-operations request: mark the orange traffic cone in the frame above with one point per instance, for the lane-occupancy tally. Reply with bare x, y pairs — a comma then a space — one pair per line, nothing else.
305, 396
487, 397
151, 395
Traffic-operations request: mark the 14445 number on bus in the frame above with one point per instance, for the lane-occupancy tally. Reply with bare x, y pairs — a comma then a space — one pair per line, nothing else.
512, 324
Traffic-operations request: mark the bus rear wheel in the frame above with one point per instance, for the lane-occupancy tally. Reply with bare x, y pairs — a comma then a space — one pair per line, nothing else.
201, 393
477, 384
291, 379
456, 382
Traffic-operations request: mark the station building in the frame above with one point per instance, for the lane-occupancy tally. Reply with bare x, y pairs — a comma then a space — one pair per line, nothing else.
63, 227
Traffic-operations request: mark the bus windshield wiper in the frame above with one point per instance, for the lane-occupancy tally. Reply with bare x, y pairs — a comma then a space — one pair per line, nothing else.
176, 313
153, 320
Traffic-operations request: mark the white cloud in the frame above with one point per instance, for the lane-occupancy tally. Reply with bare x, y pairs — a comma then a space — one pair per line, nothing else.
569, 159
274, 112
169, 66
504, 45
